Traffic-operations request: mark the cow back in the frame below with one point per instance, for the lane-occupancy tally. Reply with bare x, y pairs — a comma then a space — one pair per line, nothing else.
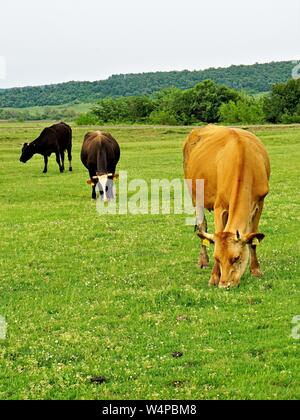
100, 152
219, 155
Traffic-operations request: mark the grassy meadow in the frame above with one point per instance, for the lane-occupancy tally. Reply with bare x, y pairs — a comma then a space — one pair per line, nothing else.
79, 108
86, 295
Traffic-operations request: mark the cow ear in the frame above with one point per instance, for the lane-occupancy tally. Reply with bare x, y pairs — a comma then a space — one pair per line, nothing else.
116, 176
90, 182
254, 238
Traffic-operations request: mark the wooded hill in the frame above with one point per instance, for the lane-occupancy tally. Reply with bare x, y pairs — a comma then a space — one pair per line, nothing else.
253, 79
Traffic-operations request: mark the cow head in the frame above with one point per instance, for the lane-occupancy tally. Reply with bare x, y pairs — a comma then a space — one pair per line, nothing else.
104, 184
232, 254
28, 151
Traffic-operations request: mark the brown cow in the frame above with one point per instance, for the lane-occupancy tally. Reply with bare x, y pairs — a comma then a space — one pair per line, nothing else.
55, 139
100, 154
235, 168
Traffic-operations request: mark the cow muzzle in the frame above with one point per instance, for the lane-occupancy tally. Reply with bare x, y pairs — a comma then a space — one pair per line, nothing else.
228, 285
229, 282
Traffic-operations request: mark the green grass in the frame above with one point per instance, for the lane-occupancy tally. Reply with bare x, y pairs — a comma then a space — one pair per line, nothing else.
86, 295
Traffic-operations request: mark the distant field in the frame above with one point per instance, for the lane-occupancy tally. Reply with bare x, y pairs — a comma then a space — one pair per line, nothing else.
86, 295
82, 107
37, 110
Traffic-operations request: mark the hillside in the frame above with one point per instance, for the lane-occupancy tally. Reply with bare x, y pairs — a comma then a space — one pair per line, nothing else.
255, 78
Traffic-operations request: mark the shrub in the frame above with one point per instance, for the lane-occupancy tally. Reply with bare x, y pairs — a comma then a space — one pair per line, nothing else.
290, 119
87, 119
283, 101
247, 110
162, 117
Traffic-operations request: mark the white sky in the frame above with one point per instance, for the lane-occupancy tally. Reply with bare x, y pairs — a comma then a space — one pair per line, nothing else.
50, 41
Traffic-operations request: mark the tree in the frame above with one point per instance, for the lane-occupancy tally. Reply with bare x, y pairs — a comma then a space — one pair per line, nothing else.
253, 79
247, 110
132, 109
139, 108
283, 102
206, 99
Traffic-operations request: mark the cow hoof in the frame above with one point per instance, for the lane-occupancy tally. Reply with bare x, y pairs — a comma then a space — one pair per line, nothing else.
203, 266
203, 263
44, 172
256, 272
70, 169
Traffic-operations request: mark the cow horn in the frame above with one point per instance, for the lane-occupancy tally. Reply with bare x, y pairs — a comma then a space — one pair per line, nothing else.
209, 236
204, 235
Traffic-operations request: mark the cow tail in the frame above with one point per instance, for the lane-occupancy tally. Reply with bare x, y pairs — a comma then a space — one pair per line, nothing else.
101, 160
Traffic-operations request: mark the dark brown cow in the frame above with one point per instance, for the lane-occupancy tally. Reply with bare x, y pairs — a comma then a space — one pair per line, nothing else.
55, 139
100, 154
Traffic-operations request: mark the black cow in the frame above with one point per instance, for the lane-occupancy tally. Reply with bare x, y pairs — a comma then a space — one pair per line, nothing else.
100, 154
55, 139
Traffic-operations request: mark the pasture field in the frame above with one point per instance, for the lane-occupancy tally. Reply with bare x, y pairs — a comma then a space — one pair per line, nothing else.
79, 108
86, 295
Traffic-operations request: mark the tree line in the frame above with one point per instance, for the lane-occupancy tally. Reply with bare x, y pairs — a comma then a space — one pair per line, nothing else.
253, 79
207, 102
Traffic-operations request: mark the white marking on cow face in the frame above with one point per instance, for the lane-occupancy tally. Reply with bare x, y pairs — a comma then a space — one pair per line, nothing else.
105, 187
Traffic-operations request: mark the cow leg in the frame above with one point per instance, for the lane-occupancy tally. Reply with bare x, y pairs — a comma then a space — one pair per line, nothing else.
62, 156
215, 275
58, 162
46, 164
94, 195
203, 258
70, 159
221, 218
254, 263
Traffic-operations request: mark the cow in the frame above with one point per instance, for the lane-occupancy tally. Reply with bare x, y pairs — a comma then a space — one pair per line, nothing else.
235, 167
100, 155
55, 139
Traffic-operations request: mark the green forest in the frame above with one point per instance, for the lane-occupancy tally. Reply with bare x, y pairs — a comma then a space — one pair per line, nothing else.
207, 102
253, 79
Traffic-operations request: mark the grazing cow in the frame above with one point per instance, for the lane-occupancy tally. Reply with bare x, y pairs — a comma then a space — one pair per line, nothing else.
55, 139
235, 168
100, 154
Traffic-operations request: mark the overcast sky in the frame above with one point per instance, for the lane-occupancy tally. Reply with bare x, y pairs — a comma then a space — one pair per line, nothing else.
50, 41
